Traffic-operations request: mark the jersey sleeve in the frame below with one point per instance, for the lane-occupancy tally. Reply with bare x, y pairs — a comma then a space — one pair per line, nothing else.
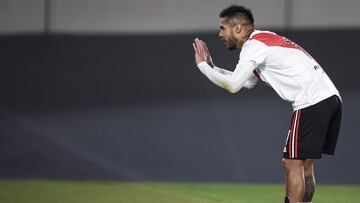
234, 82
222, 71
249, 83
252, 54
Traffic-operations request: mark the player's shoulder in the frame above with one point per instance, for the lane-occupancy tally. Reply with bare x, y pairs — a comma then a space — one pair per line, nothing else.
255, 45
257, 40
265, 37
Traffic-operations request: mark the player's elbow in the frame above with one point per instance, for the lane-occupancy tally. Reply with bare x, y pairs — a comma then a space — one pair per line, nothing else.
233, 89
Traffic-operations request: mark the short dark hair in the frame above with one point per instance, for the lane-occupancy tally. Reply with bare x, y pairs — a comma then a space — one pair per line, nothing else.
236, 11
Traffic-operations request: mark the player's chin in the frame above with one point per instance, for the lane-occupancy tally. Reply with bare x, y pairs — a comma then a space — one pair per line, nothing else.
230, 47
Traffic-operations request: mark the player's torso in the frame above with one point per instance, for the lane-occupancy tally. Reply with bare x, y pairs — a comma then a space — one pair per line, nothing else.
292, 72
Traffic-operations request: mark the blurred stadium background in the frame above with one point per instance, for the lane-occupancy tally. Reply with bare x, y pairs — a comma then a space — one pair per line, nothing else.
108, 90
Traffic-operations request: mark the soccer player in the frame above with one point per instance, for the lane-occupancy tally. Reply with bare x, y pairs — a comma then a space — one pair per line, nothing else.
296, 77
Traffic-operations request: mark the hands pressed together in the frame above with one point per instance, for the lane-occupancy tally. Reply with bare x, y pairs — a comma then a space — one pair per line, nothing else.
201, 52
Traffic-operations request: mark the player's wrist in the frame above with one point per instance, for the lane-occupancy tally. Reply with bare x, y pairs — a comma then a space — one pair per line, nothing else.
203, 67
211, 64
203, 64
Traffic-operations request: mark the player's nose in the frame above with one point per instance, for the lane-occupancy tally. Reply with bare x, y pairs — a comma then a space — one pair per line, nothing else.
221, 35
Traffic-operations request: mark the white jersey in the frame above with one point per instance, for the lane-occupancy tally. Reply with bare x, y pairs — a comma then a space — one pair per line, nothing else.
282, 64
288, 69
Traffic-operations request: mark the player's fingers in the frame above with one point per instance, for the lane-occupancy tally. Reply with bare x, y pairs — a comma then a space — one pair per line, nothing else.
195, 48
199, 46
204, 47
201, 49
198, 42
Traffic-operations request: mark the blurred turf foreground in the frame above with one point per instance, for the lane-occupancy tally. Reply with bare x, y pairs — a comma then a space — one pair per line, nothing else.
30, 191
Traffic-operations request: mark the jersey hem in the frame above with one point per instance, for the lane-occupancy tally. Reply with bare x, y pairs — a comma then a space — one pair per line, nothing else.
316, 101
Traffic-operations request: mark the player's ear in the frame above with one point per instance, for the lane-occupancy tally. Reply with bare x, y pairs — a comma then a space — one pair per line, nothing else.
238, 28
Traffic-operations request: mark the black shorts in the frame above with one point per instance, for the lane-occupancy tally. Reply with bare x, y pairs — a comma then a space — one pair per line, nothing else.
314, 130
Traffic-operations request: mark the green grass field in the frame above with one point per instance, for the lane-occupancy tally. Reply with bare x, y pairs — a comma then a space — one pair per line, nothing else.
122, 192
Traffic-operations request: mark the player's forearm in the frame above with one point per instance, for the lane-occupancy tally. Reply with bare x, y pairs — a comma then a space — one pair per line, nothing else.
222, 71
249, 83
232, 82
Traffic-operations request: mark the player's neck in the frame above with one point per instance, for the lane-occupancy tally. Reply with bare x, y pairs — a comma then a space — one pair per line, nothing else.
242, 40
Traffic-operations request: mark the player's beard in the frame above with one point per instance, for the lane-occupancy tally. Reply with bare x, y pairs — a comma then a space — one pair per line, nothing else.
231, 43
231, 46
